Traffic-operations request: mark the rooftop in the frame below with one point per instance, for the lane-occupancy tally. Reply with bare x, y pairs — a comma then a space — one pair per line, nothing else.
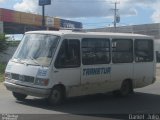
70, 32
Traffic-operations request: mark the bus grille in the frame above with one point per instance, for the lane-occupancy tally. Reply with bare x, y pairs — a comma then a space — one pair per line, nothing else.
22, 78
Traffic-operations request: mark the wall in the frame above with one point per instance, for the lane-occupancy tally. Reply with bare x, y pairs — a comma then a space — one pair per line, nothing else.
16, 17
145, 29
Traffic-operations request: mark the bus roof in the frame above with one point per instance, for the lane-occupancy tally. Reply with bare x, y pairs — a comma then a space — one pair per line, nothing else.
77, 33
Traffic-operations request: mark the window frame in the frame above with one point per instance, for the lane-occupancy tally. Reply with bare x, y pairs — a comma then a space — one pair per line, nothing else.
135, 50
60, 48
132, 51
107, 40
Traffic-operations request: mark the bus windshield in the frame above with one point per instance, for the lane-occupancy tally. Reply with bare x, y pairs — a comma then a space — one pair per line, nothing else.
37, 49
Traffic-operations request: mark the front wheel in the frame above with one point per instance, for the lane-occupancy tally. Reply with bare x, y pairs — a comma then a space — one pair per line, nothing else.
57, 96
19, 96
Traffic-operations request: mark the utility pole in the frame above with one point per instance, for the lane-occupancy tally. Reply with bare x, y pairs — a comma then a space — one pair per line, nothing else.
116, 16
43, 16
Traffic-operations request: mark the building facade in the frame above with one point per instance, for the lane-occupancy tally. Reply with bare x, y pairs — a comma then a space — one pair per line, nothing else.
146, 29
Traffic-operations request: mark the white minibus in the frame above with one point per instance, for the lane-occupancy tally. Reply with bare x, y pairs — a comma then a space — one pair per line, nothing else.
61, 64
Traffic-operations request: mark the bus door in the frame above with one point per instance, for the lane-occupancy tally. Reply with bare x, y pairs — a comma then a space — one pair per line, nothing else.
95, 70
67, 64
122, 61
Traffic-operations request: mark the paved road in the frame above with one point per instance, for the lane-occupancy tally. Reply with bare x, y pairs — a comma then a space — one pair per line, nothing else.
145, 100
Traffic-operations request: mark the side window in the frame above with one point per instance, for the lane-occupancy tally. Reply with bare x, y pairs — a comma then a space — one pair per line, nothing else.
122, 50
95, 51
143, 50
69, 54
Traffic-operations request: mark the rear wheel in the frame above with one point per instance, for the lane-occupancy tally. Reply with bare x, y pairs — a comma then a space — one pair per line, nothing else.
19, 96
57, 96
126, 89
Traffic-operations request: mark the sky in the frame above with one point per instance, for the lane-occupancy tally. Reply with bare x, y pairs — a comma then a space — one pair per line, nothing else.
93, 13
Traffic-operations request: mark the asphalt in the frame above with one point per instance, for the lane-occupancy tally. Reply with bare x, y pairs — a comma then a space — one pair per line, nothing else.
96, 107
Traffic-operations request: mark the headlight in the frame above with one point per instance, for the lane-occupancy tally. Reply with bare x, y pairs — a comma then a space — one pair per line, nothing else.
41, 81
8, 76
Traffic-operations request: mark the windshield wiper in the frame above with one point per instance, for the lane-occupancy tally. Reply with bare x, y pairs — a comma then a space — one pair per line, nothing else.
35, 61
18, 60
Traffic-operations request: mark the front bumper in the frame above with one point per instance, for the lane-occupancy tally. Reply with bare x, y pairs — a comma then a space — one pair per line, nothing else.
38, 92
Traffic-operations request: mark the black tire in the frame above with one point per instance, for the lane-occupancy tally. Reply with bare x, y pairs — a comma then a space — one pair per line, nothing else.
126, 88
19, 96
57, 96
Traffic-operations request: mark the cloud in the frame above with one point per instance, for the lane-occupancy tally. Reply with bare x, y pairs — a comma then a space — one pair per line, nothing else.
76, 8
153, 5
90, 8
26, 6
79, 9
156, 14
2, 1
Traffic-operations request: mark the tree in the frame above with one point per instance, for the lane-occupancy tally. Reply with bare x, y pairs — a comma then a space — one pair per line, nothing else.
3, 43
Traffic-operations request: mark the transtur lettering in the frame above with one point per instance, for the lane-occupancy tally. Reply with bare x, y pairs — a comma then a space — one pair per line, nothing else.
96, 71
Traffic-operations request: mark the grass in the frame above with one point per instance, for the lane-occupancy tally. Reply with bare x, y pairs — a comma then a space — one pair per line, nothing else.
2, 68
